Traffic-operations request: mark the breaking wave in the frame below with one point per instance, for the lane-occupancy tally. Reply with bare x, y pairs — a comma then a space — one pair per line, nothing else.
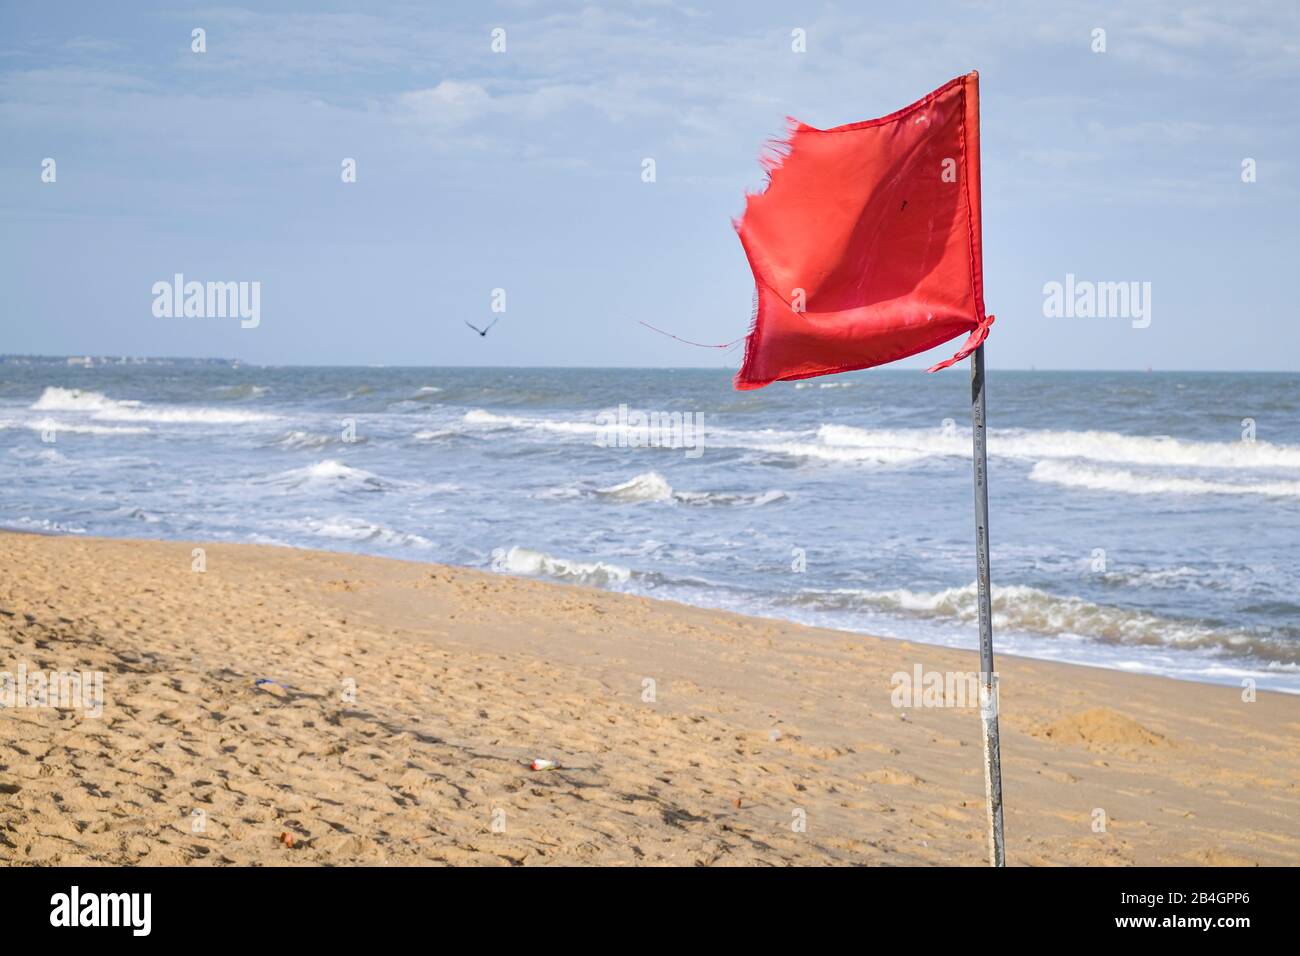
1132, 483
55, 426
652, 486
103, 408
847, 442
517, 560
41, 526
343, 528
1029, 609
482, 419
902, 446
328, 474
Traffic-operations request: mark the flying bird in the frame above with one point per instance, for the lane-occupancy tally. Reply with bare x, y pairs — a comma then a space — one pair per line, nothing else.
482, 332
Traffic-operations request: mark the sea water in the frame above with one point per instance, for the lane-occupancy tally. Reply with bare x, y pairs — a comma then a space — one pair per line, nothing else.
1142, 521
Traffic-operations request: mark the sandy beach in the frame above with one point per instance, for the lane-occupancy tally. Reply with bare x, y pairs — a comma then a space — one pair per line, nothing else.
321, 708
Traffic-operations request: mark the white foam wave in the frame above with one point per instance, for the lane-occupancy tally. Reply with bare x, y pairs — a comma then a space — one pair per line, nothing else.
897, 444
519, 560
637, 435
1133, 483
652, 486
75, 400
103, 408
54, 426
344, 528
41, 526
1029, 609
904, 446
329, 473
830, 444
483, 419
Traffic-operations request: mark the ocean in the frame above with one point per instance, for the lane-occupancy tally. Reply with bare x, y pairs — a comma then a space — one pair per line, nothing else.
1148, 522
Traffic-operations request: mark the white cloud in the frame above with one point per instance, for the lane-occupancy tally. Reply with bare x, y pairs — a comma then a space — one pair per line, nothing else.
450, 103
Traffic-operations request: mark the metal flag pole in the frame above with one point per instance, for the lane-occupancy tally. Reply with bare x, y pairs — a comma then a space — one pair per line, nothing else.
988, 678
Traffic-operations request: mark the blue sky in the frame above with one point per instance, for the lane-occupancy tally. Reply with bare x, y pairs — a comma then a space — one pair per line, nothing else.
522, 170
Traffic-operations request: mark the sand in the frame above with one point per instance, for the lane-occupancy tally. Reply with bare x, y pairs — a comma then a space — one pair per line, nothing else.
401, 704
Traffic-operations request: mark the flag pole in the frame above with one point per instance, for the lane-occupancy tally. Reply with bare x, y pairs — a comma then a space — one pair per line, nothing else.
988, 678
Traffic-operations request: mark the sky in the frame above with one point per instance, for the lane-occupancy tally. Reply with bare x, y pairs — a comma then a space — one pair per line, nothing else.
522, 169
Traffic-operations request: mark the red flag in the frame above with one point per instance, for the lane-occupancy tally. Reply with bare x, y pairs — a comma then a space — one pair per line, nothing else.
865, 246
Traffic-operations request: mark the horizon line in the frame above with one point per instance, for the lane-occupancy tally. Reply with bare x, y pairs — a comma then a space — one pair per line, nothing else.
6, 357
